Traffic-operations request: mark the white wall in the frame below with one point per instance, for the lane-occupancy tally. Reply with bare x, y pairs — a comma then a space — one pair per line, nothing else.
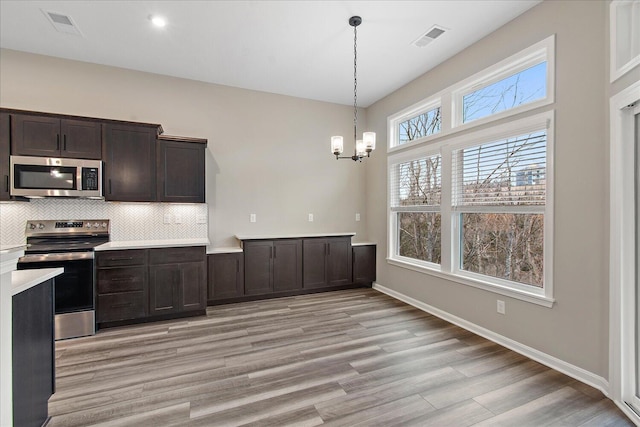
575, 330
267, 154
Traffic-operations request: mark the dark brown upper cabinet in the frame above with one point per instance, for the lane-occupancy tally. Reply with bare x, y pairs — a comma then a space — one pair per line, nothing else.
5, 145
47, 136
180, 169
129, 156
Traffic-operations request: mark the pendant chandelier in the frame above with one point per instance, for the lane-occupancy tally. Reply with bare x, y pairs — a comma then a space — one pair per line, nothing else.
364, 146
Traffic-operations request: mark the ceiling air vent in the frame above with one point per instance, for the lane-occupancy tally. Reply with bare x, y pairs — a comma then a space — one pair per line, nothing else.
432, 34
62, 23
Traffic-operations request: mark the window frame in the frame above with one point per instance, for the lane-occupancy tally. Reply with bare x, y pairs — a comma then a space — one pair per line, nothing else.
523, 60
393, 212
394, 121
449, 267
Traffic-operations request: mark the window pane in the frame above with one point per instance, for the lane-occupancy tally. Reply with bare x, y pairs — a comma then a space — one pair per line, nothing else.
506, 173
420, 126
521, 88
507, 246
417, 182
419, 235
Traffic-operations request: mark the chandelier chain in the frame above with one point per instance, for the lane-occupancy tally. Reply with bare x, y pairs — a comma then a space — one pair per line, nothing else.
355, 83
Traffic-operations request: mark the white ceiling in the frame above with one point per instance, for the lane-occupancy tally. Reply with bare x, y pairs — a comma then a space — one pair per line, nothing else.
298, 48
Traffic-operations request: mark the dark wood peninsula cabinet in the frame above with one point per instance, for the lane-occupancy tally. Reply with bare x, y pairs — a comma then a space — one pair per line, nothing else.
272, 266
129, 156
181, 169
327, 262
225, 276
50, 136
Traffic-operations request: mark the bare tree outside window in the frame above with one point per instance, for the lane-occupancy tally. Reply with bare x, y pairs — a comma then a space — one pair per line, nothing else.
425, 124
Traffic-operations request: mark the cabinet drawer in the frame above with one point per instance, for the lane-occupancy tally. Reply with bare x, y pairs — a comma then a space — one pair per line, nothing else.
121, 258
177, 255
121, 306
125, 279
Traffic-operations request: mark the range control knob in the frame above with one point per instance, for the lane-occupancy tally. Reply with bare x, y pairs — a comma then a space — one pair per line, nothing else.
104, 225
32, 226
88, 225
41, 226
96, 225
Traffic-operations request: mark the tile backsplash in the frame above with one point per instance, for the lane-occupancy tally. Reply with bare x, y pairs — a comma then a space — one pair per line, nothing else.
129, 221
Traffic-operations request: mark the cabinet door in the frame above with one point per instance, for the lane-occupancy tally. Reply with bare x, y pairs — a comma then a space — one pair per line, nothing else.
81, 139
5, 150
129, 163
364, 264
314, 263
339, 261
287, 265
192, 287
163, 288
35, 135
257, 267
225, 276
181, 172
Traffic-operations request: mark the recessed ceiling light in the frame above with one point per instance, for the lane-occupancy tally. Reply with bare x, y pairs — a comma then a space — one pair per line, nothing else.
158, 21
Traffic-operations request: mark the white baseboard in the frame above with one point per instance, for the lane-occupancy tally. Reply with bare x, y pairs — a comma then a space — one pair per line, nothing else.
573, 371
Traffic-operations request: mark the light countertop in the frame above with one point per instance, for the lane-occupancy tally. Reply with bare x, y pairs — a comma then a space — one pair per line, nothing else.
145, 244
224, 250
289, 236
363, 243
21, 280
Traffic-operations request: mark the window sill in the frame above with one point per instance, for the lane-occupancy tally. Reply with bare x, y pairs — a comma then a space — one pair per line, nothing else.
527, 296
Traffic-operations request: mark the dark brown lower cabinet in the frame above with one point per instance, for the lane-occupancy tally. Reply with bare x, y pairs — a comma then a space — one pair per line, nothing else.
225, 276
272, 266
327, 262
177, 280
364, 263
33, 354
138, 284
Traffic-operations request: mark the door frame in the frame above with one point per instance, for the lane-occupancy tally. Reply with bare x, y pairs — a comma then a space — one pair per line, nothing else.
622, 246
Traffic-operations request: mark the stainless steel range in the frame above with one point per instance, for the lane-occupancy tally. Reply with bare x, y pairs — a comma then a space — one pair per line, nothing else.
68, 244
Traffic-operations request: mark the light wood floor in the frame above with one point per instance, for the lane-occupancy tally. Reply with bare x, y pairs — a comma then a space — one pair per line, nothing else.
341, 359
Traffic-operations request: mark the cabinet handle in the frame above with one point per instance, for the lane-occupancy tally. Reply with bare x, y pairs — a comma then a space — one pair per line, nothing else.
123, 279
64, 144
121, 259
58, 142
110, 192
123, 304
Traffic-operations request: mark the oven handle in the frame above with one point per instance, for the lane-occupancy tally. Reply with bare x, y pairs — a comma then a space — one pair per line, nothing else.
66, 256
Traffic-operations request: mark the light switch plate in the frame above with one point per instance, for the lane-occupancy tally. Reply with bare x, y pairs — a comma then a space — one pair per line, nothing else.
177, 219
357, 217
167, 218
201, 219
252, 218
501, 307
310, 217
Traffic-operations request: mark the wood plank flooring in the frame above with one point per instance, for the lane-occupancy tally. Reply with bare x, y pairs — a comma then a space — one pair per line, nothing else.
348, 358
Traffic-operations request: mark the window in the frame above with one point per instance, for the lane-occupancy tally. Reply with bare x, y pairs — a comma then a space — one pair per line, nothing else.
500, 195
520, 83
477, 209
415, 124
425, 124
520, 88
416, 197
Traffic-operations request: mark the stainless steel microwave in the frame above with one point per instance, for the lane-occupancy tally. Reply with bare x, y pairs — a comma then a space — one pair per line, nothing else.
55, 177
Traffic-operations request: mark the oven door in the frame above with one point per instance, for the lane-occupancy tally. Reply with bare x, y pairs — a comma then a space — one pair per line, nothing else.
74, 291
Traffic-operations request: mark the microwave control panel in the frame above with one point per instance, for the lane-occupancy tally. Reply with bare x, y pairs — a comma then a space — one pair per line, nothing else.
90, 179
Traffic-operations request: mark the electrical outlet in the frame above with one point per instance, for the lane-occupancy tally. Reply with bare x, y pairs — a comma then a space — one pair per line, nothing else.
501, 307
310, 217
357, 217
167, 218
252, 218
201, 219
177, 219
